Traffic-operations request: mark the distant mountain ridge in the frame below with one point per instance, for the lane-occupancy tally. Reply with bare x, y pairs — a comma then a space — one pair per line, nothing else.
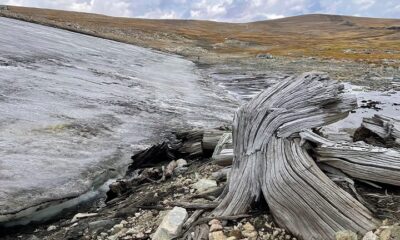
314, 35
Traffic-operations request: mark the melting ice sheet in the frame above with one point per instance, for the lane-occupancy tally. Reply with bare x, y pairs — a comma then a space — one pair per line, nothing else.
387, 103
73, 106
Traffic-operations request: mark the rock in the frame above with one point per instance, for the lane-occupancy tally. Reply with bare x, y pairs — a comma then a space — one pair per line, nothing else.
113, 237
214, 221
180, 166
181, 163
231, 238
171, 224
131, 231
204, 184
216, 227
219, 235
345, 235
140, 236
169, 170
370, 236
117, 228
249, 231
51, 228
82, 215
390, 233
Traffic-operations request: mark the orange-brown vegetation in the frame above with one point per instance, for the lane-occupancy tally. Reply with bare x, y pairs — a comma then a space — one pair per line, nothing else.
324, 36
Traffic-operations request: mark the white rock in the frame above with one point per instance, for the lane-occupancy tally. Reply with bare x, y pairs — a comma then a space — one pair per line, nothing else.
219, 235
204, 184
181, 162
51, 228
370, 236
171, 224
82, 215
117, 228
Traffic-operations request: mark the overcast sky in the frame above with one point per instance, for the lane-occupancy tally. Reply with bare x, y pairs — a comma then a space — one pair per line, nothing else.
220, 10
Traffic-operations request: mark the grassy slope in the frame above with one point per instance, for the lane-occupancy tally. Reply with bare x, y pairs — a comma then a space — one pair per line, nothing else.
325, 36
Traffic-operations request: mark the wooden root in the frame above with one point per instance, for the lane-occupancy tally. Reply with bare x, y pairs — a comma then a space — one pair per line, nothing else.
269, 160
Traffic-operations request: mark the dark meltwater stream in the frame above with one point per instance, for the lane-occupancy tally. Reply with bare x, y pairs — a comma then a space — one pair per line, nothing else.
72, 107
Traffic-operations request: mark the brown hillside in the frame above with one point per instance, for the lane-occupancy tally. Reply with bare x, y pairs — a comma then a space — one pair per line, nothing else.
325, 36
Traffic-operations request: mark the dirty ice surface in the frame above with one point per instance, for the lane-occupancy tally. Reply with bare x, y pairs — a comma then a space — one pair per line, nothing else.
73, 106
369, 103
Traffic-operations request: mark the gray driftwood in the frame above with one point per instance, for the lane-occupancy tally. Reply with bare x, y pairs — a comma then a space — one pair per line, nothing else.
269, 160
384, 126
223, 152
363, 161
211, 138
358, 160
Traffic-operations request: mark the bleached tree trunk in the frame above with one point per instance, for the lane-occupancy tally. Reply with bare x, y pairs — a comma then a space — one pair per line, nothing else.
269, 160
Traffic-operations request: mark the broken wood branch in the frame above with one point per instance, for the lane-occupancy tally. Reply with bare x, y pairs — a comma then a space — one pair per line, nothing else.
363, 161
387, 128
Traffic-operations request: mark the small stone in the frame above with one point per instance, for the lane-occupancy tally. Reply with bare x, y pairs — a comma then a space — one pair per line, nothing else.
345, 235
123, 222
248, 227
181, 163
249, 231
204, 184
390, 233
214, 221
117, 228
171, 224
267, 236
231, 238
131, 231
51, 228
219, 235
216, 227
275, 233
370, 236
140, 235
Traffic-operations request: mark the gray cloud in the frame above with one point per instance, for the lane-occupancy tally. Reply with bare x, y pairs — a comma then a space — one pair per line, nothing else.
220, 10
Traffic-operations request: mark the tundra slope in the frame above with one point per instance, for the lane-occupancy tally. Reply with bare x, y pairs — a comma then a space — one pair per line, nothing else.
72, 106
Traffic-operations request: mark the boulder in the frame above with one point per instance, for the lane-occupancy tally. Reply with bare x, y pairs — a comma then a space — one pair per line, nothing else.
171, 225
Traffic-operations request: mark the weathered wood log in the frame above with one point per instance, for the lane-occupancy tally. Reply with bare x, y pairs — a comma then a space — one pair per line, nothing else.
223, 152
384, 126
211, 138
191, 143
269, 160
358, 160
363, 161
151, 157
